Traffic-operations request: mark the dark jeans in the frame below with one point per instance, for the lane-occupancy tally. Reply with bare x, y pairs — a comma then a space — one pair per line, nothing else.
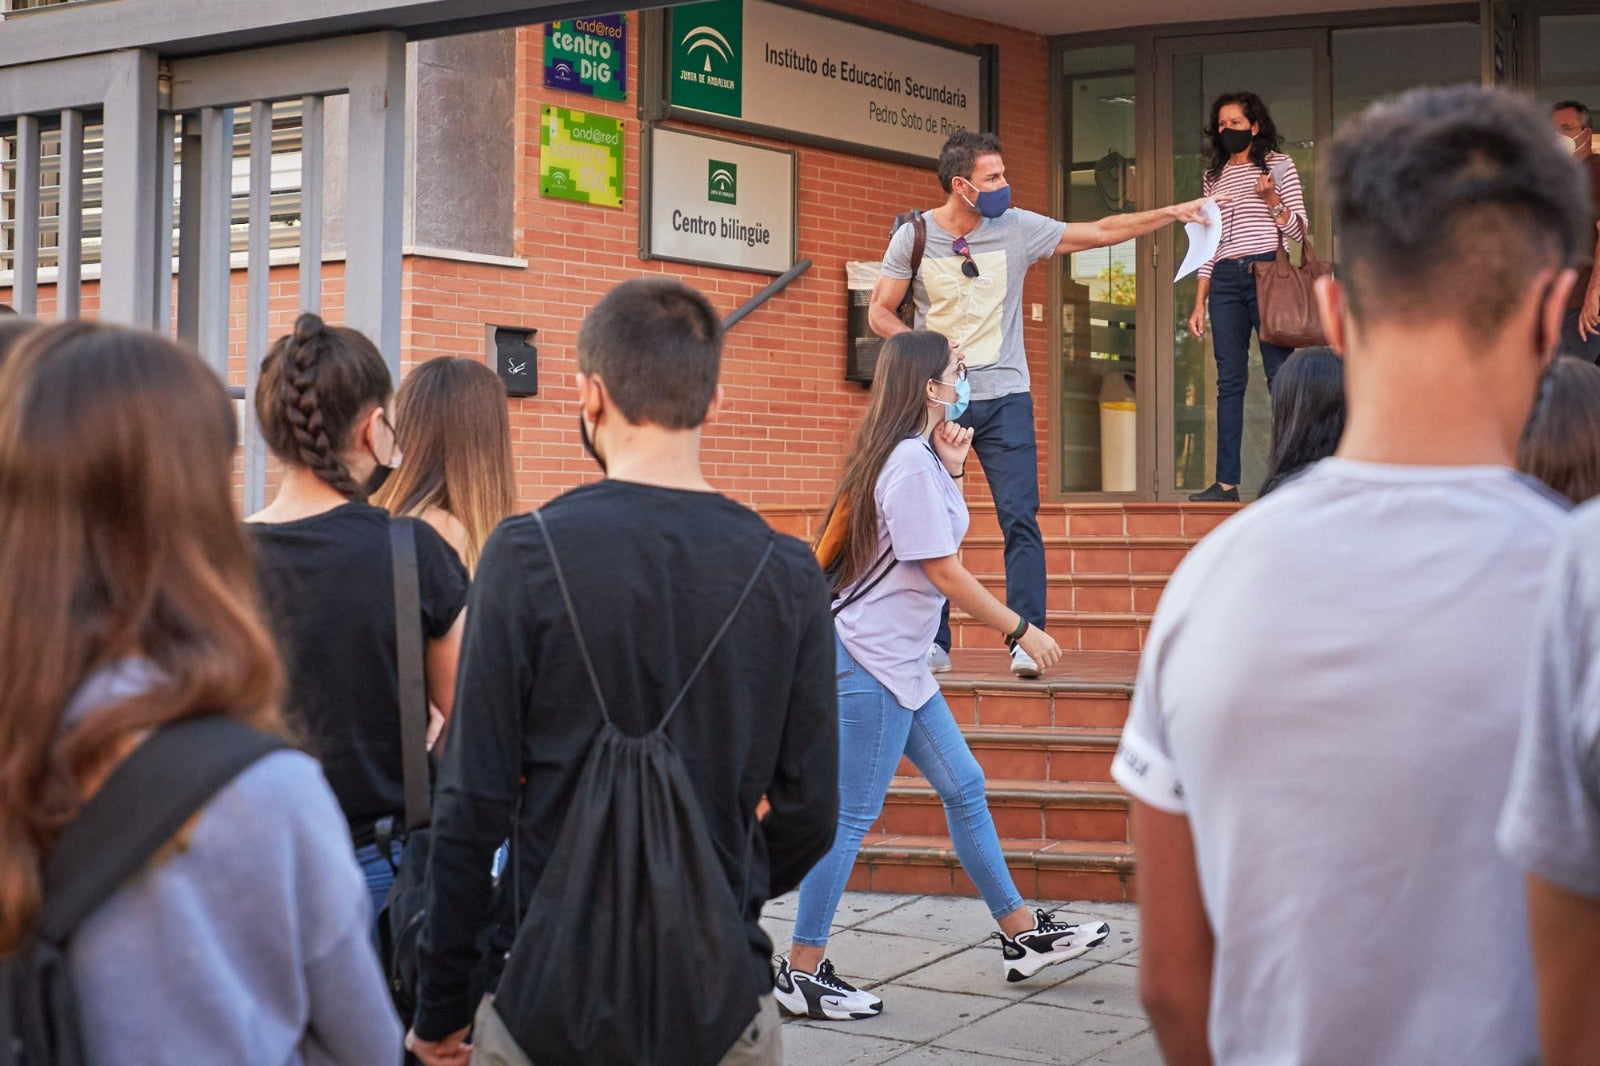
1234, 315
1004, 441
1571, 345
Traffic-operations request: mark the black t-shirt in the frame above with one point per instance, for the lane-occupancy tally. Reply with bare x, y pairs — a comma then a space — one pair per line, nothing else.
328, 584
653, 572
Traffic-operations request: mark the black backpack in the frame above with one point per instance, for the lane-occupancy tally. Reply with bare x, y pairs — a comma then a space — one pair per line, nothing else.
145, 801
634, 948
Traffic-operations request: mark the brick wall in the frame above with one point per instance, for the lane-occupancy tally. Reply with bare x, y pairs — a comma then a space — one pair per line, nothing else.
788, 415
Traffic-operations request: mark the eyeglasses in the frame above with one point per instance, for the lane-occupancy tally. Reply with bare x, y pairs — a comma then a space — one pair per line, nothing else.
961, 375
964, 250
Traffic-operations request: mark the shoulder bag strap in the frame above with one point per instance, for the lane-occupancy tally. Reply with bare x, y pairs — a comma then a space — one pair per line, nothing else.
862, 590
413, 689
145, 801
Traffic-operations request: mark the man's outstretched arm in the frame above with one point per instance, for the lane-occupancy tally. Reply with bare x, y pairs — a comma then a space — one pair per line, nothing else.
1114, 229
1176, 945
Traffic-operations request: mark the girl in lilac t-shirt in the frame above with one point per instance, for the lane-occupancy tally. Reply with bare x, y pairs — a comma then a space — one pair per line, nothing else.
899, 565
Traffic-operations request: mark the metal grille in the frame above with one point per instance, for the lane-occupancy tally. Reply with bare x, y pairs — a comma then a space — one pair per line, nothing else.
284, 213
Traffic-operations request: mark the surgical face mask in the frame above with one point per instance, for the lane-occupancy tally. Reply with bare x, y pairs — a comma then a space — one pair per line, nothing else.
1234, 141
588, 444
958, 407
1575, 145
990, 204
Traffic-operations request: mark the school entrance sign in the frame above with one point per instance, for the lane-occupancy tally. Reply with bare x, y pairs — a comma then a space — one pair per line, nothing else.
717, 202
819, 78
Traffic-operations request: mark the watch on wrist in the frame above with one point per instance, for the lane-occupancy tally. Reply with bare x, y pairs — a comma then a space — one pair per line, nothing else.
1281, 210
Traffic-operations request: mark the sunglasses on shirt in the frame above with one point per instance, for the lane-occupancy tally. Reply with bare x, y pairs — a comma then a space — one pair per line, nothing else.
964, 250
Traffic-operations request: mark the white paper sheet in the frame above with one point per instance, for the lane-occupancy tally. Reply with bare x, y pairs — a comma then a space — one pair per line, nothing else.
1203, 240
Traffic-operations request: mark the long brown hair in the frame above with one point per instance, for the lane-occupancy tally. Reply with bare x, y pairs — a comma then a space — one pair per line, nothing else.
118, 539
453, 430
1561, 443
898, 410
316, 384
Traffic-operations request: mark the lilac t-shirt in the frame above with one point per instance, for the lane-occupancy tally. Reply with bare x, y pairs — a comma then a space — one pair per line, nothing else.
921, 515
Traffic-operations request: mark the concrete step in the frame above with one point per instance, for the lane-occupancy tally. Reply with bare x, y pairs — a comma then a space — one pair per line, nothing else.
1092, 593
1086, 689
1043, 869
1040, 753
1022, 809
1072, 630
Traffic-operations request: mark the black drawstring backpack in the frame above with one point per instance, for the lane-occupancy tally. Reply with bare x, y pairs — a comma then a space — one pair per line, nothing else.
634, 949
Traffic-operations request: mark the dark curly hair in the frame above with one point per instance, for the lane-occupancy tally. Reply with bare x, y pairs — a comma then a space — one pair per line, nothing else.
1266, 138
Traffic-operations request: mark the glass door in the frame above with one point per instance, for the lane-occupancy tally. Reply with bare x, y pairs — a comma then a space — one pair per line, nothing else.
1289, 71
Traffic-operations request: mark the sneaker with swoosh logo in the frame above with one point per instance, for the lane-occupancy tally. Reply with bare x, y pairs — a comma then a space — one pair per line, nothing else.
823, 995
1045, 944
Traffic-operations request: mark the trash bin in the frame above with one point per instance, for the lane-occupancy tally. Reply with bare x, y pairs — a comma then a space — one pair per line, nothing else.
1119, 434
861, 353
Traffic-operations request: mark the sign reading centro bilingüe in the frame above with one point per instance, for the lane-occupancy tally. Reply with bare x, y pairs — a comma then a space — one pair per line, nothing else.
772, 68
718, 202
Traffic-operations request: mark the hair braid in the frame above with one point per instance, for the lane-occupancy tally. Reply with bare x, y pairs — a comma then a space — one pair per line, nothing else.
297, 392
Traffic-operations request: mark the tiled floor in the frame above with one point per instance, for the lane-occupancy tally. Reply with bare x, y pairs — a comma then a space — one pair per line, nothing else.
945, 1001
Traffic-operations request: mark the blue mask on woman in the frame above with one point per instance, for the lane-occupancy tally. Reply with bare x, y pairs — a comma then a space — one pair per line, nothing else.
993, 203
953, 411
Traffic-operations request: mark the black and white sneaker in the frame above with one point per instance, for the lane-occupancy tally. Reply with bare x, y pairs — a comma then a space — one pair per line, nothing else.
823, 995
1047, 943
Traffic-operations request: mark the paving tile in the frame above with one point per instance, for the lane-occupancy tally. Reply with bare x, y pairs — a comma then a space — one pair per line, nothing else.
803, 1042
933, 1055
1035, 1032
919, 1015
1111, 912
854, 908
1110, 989
976, 971
780, 930
954, 919
862, 957
1140, 1051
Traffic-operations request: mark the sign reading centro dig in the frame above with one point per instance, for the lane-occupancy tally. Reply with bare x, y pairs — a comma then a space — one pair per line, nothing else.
588, 55
718, 202
772, 68
580, 157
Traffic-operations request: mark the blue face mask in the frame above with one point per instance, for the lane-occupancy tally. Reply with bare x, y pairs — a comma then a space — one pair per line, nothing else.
953, 411
993, 203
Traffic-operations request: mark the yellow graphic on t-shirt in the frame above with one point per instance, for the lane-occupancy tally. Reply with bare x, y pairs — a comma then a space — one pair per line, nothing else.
967, 310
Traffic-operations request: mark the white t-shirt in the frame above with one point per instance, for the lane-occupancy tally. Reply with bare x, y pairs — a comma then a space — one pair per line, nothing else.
1330, 693
921, 515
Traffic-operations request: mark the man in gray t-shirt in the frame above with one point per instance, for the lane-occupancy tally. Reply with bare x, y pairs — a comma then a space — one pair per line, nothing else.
1323, 725
1551, 823
969, 288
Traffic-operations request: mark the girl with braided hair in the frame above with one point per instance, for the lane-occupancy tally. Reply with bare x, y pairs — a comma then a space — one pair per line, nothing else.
323, 555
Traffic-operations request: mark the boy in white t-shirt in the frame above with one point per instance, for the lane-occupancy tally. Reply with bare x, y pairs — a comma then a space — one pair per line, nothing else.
1327, 706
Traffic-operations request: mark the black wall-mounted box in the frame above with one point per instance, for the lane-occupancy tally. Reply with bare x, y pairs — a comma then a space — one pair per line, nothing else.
514, 357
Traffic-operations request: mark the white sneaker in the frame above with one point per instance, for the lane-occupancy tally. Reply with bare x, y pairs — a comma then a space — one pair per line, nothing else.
1022, 664
938, 659
823, 995
1046, 944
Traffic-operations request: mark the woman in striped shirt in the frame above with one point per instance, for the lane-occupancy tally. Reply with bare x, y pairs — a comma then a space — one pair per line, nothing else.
1266, 206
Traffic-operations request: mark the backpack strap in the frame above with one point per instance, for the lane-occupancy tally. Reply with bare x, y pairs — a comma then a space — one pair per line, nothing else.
583, 647
862, 590
145, 801
413, 689
919, 241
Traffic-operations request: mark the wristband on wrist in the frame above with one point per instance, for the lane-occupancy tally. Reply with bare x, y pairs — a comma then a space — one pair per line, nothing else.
1016, 634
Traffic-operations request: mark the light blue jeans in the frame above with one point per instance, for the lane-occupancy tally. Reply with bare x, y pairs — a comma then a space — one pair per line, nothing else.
874, 731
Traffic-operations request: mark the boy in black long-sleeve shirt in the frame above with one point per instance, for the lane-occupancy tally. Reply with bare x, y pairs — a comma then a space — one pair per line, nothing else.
655, 558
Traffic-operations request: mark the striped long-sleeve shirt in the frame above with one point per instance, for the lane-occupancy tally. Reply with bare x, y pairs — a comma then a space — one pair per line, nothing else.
1247, 224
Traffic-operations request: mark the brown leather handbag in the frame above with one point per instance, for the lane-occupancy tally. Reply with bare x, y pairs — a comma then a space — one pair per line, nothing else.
1287, 299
